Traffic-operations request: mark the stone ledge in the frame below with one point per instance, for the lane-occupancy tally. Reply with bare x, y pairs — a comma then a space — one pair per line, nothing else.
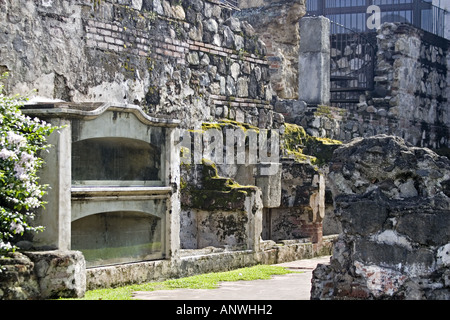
199, 261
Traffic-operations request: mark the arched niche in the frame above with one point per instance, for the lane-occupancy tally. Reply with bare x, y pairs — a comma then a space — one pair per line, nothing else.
115, 161
115, 237
111, 173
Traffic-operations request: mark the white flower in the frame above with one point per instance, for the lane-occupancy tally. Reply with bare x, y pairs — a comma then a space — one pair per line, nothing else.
32, 202
42, 122
14, 138
20, 172
7, 154
16, 227
5, 245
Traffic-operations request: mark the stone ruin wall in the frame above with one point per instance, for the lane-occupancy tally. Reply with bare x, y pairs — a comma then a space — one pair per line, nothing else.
193, 61
277, 24
378, 255
411, 84
392, 200
185, 59
189, 60
409, 100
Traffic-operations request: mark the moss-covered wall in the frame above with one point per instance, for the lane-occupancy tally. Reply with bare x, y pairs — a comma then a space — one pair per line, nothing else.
304, 148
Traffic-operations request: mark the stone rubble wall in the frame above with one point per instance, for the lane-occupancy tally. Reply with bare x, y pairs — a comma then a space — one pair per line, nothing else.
411, 84
17, 278
185, 59
410, 96
277, 24
392, 201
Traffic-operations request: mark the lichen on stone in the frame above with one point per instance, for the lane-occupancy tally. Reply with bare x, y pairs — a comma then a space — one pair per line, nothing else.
215, 192
300, 146
212, 180
226, 123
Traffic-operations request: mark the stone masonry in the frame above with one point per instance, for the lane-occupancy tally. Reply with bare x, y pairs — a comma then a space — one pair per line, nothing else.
392, 200
276, 22
184, 59
409, 98
42, 275
190, 60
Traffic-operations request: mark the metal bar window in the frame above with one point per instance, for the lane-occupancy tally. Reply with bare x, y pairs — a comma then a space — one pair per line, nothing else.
420, 13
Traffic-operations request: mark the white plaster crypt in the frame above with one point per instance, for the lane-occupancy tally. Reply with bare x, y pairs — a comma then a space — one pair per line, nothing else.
113, 174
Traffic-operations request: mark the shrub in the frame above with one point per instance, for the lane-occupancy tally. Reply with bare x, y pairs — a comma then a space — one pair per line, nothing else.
21, 141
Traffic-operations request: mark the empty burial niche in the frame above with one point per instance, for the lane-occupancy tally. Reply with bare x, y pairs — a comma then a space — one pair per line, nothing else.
110, 174
118, 237
117, 173
115, 161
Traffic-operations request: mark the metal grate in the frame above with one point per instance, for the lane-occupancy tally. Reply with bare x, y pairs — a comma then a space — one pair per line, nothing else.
353, 13
352, 64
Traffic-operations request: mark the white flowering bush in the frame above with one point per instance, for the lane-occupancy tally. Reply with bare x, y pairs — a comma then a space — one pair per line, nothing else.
21, 140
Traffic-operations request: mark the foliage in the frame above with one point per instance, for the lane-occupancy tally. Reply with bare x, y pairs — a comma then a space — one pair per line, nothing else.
21, 140
202, 281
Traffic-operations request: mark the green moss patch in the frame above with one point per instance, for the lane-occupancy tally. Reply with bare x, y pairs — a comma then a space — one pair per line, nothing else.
229, 124
202, 281
300, 146
217, 193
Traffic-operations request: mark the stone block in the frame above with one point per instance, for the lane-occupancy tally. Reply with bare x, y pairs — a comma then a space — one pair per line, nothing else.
314, 34
59, 273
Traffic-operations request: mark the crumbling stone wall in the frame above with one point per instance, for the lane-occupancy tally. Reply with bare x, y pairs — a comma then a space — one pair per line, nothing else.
410, 96
217, 211
393, 202
411, 84
185, 59
293, 194
42, 275
277, 24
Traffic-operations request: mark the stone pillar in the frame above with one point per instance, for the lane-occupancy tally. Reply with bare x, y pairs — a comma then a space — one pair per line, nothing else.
270, 186
172, 178
317, 203
314, 60
56, 216
254, 209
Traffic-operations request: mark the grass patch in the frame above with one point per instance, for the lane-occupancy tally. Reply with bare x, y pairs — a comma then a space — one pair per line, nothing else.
203, 281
